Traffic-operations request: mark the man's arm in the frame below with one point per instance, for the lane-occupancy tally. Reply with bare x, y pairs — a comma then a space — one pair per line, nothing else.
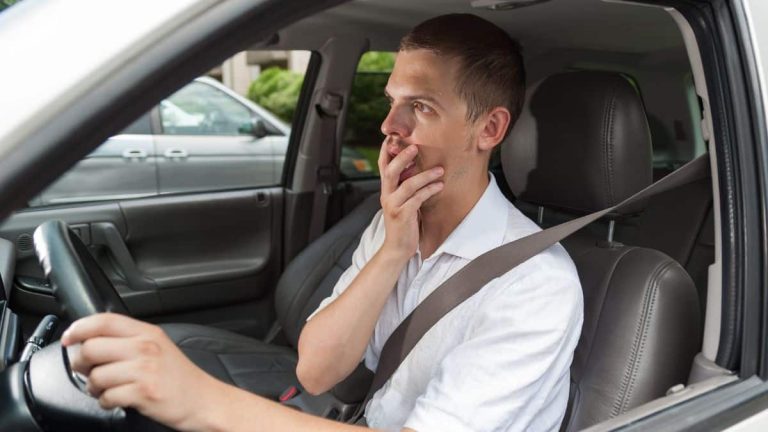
334, 340
130, 363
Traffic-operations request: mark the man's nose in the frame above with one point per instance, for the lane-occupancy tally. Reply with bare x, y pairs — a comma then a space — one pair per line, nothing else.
395, 125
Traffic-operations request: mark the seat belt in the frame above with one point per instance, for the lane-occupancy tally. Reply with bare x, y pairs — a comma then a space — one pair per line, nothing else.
328, 111
494, 263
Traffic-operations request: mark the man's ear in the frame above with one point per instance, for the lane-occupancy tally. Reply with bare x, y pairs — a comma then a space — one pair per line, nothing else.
494, 126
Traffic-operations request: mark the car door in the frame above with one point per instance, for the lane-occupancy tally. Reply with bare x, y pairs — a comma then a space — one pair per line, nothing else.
123, 167
201, 243
207, 142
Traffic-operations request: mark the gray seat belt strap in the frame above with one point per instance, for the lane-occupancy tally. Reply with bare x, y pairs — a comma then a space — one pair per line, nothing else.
494, 263
329, 110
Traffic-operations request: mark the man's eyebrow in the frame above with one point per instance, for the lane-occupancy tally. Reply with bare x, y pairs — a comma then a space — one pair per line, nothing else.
423, 97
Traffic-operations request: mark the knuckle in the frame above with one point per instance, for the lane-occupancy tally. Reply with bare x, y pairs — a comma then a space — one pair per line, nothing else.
148, 367
106, 400
149, 348
157, 332
87, 353
96, 378
149, 391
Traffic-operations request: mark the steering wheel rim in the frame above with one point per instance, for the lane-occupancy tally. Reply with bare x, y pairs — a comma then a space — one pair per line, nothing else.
78, 282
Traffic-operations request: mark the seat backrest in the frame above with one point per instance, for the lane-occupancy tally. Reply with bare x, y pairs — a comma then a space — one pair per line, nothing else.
583, 144
312, 274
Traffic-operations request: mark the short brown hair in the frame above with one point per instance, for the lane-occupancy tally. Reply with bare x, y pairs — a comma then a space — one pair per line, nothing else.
491, 72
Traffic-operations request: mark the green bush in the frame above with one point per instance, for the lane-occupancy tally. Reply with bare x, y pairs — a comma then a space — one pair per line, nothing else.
278, 91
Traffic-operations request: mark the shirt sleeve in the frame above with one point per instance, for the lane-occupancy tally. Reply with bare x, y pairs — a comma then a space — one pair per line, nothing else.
360, 257
509, 372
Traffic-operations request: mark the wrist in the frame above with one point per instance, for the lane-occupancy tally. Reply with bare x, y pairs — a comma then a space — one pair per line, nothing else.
393, 257
211, 414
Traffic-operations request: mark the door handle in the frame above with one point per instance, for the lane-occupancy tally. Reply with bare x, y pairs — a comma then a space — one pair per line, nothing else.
176, 153
134, 154
107, 234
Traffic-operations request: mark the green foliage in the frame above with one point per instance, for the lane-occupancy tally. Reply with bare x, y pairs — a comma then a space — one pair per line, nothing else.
278, 91
368, 106
367, 109
375, 61
7, 3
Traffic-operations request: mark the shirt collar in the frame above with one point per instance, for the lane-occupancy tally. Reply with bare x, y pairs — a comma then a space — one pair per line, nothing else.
482, 229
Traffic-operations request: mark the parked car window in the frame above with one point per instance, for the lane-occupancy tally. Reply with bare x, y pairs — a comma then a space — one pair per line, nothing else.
142, 126
367, 109
223, 131
200, 109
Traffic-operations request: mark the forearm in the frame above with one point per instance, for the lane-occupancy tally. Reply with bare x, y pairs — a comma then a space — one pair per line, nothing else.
333, 341
238, 410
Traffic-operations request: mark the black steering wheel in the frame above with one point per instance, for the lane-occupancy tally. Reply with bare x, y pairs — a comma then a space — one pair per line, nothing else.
78, 282
45, 391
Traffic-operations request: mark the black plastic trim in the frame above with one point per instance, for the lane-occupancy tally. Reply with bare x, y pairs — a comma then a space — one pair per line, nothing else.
300, 117
760, 131
751, 125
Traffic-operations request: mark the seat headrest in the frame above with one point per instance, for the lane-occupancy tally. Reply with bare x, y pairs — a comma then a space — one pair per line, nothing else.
581, 144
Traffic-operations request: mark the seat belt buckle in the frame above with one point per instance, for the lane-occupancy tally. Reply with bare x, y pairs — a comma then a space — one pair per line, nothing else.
288, 394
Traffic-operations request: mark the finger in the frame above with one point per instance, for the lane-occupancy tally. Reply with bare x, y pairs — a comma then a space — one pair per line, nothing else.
413, 184
423, 194
105, 377
106, 324
126, 395
100, 350
391, 174
383, 155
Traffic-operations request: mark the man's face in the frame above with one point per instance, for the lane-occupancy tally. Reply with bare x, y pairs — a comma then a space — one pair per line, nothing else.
427, 111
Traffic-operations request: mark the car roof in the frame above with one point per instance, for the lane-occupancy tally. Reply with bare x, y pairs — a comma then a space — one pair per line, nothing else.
601, 25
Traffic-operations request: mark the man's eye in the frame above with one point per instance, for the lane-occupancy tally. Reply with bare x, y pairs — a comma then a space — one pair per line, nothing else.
421, 107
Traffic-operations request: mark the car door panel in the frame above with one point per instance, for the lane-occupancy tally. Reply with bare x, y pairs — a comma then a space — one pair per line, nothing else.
201, 163
165, 255
123, 167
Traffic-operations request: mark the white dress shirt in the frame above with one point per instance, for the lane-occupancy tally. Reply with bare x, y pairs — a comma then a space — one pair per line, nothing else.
497, 362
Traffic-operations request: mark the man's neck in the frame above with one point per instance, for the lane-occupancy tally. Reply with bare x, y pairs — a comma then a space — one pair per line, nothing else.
439, 221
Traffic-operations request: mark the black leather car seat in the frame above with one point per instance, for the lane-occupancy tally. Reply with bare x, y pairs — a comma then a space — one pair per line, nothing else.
581, 145
264, 368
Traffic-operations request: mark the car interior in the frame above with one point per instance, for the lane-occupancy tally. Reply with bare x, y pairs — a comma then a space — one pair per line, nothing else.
617, 98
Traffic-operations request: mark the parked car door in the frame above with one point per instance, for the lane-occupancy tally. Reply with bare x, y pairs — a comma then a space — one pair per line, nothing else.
211, 140
123, 167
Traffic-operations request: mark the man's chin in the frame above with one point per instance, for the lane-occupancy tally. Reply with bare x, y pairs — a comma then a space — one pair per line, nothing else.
431, 202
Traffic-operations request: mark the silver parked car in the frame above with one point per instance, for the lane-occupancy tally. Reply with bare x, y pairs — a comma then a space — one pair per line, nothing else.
203, 137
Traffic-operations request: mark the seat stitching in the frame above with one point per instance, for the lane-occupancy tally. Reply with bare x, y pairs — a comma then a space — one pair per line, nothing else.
607, 137
627, 385
189, 339
231, 379
311, 274
609, 150
602, 300
604, 142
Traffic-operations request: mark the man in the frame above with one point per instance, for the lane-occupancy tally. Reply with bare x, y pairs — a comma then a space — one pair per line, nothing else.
499, 361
